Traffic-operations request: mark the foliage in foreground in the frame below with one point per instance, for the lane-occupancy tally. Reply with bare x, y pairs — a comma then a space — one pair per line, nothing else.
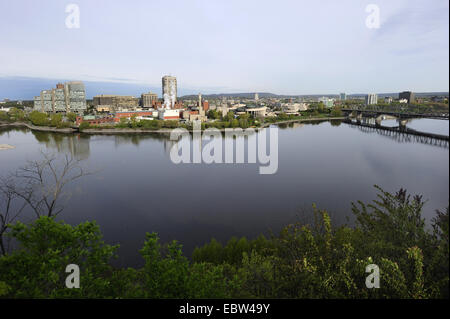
314, 260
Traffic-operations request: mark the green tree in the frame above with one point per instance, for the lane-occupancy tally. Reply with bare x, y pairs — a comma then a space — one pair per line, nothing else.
71, 117
4, 116
37, 270
336, 111
56, 120
38, 118
83, 126
16, 114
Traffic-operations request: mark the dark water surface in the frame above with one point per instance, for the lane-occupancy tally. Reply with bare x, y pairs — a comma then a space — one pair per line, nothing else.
137, 189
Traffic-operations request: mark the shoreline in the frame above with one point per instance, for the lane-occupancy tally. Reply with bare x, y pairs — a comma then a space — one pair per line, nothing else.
112, 131
67, 130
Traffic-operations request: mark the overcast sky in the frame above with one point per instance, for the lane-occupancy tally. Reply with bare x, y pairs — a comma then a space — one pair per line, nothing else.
211, 46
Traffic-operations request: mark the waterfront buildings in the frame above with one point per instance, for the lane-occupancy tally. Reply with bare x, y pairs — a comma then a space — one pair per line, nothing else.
169, 114
111, 103
371, 98
293, 108
256, 111
148, 99
408, 95
327, 101
169, 91
67, 97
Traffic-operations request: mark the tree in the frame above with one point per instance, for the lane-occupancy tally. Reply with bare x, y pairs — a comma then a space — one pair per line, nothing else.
320, 107
37, 270
229, 117
16, 114
9, 209
4, 116
336, 111
42, 184
56, 120
83, 126
38, 118
71, 117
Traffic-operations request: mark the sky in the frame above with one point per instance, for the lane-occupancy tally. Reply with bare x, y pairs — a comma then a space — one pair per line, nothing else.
212, 46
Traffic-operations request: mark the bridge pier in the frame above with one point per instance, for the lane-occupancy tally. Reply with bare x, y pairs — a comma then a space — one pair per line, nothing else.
403, 122
378, 120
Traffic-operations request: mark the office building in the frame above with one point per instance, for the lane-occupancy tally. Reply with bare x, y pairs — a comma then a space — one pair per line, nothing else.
371, 98
148, 98
343, 96
408, 95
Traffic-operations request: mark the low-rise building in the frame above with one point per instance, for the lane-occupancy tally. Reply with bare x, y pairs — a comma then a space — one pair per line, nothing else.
169, 114
148, 98
328, 102
94, 120
293, 108
116, 102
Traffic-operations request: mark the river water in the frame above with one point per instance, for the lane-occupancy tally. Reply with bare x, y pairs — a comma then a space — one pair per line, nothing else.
135, 188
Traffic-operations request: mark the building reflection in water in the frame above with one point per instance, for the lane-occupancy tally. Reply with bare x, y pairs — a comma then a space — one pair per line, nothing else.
77, 145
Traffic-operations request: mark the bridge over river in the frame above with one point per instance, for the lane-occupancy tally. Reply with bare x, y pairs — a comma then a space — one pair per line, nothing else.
400, 133
400, 115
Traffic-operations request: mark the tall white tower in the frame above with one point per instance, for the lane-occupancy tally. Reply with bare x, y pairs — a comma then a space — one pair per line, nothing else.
169, 91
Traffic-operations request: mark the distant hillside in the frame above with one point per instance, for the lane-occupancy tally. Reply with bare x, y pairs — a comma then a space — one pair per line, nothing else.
229, 95
272, 95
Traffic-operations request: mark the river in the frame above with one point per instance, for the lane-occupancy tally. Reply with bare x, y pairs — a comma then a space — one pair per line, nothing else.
135, 188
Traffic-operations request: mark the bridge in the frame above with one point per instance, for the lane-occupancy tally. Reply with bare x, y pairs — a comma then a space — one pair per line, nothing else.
400, 115
400, 133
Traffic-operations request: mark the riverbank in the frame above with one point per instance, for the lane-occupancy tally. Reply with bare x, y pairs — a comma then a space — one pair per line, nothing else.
111, 131
67, 130
167, 131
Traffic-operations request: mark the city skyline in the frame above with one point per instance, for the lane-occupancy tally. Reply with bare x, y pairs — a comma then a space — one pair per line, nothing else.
292, 48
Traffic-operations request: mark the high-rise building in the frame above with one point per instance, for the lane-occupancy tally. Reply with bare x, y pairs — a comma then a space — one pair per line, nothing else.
256, 97
371, 98
75, 94
169, 91
343, 96
68, 97
408, 95
148, 98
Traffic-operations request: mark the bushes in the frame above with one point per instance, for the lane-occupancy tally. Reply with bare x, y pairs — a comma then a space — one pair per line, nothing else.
4, 116
38, 118
55, 120
37, 270
315, 260
16, 114
83, 126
